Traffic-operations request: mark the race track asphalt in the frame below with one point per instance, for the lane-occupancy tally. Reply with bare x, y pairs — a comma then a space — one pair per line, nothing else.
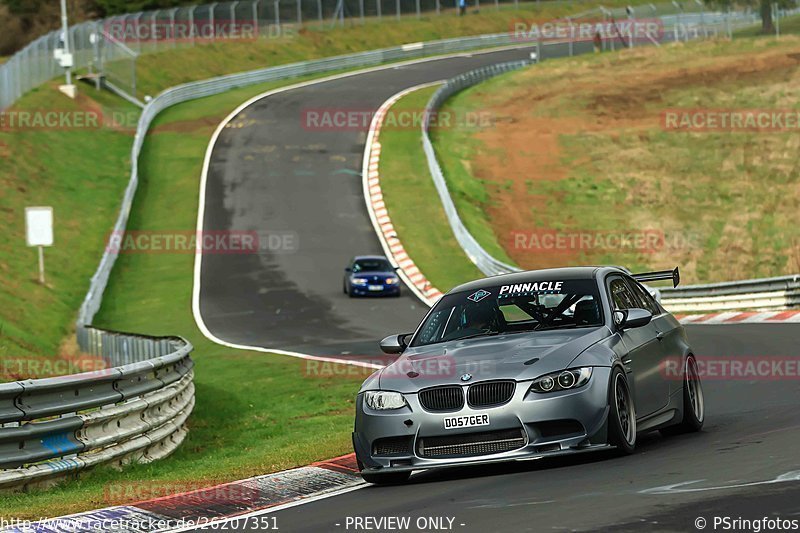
270, 174
750, 436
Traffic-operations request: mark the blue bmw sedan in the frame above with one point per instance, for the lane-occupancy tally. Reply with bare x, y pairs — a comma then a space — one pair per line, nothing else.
371, 275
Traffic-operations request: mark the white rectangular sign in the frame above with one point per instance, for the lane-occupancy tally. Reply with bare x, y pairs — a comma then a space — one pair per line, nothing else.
39, 226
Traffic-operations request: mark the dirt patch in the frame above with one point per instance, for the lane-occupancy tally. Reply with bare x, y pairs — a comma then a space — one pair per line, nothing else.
617, 101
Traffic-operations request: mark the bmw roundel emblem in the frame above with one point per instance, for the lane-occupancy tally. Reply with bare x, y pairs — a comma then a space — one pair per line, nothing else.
466, 377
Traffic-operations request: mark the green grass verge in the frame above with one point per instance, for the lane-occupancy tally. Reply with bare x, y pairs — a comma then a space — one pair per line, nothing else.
81, 172
788, 25
724, 201
411, 197
455, 148
272, 419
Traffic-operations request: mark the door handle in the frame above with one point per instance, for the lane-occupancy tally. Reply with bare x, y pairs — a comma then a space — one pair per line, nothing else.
660, 335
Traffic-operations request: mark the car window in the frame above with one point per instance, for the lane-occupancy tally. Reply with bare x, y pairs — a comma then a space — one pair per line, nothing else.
371, 265
622, 297
532, 306
647, 301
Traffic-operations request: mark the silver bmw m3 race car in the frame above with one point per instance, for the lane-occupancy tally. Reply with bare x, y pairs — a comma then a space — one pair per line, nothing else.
529, 365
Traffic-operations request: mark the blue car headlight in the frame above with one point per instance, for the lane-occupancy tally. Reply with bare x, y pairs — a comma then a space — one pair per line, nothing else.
384, 400
564, 380
358, 281
392, 281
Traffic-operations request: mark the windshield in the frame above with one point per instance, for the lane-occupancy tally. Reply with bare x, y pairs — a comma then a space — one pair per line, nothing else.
534, 306
372, 265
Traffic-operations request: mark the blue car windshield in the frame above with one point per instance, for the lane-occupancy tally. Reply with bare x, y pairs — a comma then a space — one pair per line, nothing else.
529, 306
371, 265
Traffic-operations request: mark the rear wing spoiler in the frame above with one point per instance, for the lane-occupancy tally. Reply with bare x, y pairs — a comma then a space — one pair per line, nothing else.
674, 275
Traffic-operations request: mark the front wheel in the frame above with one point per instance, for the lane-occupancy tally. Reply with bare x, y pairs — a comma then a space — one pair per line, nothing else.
622, 414
392, 478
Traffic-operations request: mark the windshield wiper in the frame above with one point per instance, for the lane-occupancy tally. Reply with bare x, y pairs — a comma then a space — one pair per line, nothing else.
474, 335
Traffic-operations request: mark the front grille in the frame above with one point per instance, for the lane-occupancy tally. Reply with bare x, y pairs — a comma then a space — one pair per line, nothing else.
442, 398
490, 394
392, 446
470, 444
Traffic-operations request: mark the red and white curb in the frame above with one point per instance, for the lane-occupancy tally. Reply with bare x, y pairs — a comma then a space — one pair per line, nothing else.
742, 317
379, 214
213, 506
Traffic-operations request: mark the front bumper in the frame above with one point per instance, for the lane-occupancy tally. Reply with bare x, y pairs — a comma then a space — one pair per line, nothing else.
386, 290
547, 425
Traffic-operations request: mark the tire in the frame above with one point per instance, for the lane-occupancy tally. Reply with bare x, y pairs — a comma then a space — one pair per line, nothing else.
621, 414
392, 478
693, 401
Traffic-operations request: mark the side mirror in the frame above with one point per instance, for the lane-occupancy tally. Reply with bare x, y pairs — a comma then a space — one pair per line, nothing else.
632, 318
395, 344
348, 269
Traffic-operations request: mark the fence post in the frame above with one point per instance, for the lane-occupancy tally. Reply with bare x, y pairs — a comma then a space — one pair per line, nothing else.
277, 6
319, 10
419, 13
211, 10
299, 12
378, 5
191, 23
397, 8
361, 11
172, 19
571, 36
439, 7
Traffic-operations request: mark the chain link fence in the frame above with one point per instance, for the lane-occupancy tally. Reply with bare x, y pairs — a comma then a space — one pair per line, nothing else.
110, 46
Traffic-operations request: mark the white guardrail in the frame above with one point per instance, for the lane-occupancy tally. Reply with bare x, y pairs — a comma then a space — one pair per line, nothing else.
761, 294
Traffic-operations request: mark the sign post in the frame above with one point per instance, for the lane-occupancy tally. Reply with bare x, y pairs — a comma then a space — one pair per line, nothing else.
39, 232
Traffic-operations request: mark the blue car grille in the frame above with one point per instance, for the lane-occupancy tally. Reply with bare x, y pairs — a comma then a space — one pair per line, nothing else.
490, 393
449, 398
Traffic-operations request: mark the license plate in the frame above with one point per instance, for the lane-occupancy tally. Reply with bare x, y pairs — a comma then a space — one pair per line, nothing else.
467, 421
376, 287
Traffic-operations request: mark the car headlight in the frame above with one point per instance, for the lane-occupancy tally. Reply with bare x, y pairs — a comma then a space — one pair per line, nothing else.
392, 281
359, 281
564, 380
384, 401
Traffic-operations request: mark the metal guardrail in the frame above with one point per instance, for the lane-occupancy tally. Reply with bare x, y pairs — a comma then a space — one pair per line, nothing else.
766, 294
759, 294
477, 254
132, 409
